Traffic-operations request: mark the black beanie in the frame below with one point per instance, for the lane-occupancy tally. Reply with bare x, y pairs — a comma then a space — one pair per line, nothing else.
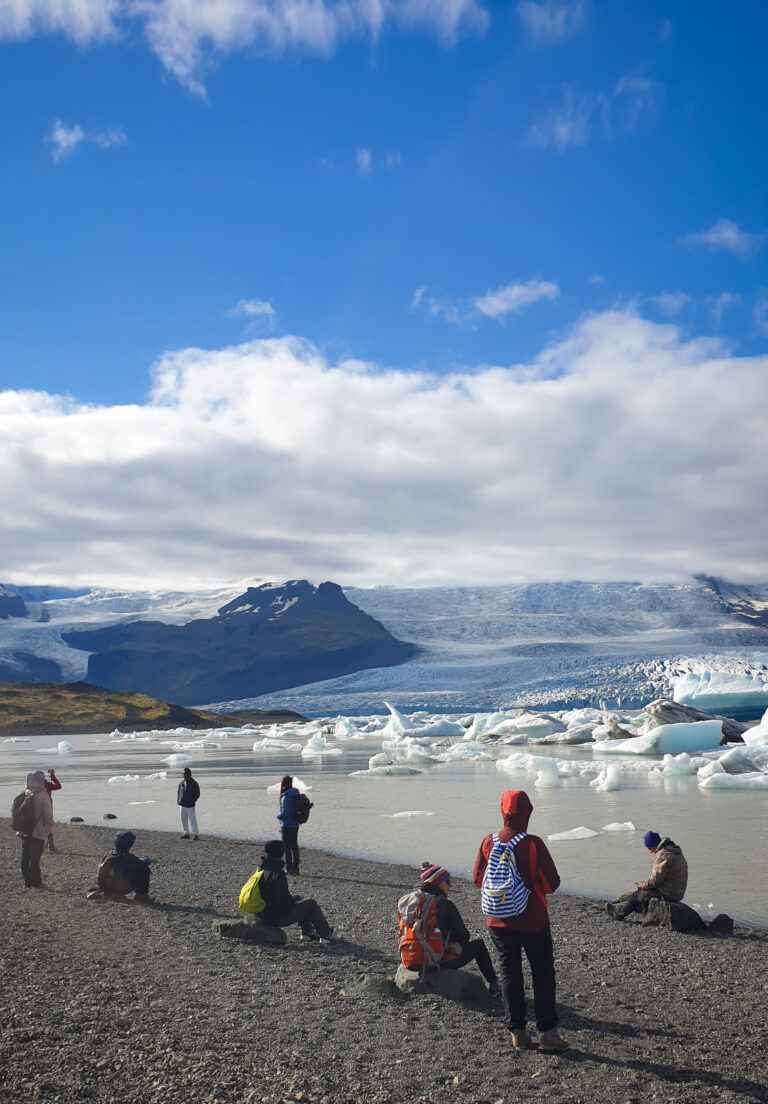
274, 849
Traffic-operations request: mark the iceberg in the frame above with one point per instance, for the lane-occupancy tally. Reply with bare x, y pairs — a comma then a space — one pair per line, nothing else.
608, 780
152, 802
408, 813
124, 778
391, 768
317, 746
16, 740
574, 834
738, 695
158, 776
395, 726
177, 760
547, 775
620, 826
298, 783
270, 743
757, 780
668, 739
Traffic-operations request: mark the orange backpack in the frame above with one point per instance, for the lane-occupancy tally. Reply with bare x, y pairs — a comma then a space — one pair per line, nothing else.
420, 941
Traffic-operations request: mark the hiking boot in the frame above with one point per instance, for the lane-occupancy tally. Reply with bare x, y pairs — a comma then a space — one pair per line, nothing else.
143, 899
329, 940
195, 837
521, 1040
185, 836
494, 988
309, 937
552, 1040
615, 910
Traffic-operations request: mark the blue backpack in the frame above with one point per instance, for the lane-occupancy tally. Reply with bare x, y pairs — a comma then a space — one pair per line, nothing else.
503, 892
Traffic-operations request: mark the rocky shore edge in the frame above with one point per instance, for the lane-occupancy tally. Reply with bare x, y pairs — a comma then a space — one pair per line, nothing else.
110, 1002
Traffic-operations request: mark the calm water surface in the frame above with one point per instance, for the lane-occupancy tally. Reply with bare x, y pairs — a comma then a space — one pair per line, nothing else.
723, 834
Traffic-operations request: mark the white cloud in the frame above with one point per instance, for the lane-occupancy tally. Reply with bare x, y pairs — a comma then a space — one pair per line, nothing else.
513, 297
551, 20
573, 122
393, 160
252, 308
760, 312
670, 303
718, 304
190, 35
589, 461
364, 161
597, 279
725, 234
64, 140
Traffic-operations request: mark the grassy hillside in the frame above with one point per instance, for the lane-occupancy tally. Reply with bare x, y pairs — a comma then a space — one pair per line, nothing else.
30, 708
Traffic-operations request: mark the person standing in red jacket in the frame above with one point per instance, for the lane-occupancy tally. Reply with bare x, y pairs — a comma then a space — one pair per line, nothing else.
54, 784
529, 931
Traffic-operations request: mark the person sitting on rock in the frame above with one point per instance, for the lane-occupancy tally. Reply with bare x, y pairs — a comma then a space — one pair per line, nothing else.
460, 947
121, 873
668, 880
283, 909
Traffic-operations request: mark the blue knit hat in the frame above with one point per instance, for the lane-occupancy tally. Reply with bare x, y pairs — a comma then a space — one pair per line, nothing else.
651, 839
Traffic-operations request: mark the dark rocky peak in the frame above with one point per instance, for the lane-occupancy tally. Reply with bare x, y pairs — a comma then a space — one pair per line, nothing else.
272, 600
11, 604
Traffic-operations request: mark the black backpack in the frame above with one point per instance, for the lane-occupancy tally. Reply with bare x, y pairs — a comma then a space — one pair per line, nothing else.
23, 815
301, 807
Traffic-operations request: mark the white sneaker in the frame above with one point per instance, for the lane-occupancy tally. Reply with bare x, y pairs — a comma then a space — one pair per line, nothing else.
309, 937
329, 940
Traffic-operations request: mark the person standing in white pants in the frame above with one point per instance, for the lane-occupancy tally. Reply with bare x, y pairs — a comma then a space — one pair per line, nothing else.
187, 797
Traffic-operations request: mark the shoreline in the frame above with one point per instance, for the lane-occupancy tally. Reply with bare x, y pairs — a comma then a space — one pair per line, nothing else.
144, 1005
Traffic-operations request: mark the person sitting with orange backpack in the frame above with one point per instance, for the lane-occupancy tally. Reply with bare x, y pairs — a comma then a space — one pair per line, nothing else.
433, 934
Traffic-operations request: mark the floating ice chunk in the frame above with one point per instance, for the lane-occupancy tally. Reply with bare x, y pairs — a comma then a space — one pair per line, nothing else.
64, 747
579, 734
298, 784
757, 780
620, 826
464, 750
392, 768
124, 778
344, 729
547, 776
517, 761
735, 694
317, 746
608, 780
395, 726
573, 834
158, 776
196, 745
672, 739
408, 813
714, 767
116, 732
379, 760
16, 740
439, 729
271, 744
152, 802
184, 732
576, 718
177, 760
677, 765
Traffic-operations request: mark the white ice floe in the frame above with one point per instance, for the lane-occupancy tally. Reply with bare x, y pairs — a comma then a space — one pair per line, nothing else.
608, 780
667, 739
725, 692
123, 778
344, 729
395, 726
157, 776
673, 765
756, 780
517, 761
152, 802
408, 813
573, 834
547, 775
298, 784
464, 751
317, 746
177, 760
62, 748
391, 768
270, 743
619, 826
196, 745
16, 740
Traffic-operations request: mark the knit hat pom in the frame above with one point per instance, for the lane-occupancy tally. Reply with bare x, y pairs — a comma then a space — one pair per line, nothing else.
433, 874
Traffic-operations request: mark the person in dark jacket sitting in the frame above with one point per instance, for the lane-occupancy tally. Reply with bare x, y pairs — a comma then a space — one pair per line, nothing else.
461, 948
668, 880
282, 908
122, 873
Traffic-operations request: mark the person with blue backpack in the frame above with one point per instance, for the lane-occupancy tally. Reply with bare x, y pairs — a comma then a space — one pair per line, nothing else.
515, 872
294, 811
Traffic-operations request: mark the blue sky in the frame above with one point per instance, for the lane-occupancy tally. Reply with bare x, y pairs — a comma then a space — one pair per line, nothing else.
464, 185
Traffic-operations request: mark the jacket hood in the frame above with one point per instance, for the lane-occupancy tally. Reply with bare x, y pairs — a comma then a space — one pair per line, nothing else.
35, 781
268, 863
669, 845
124, 841
516, 809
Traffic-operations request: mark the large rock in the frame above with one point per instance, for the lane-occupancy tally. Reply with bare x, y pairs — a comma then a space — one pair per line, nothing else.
664, 711
673, 915
251, 929
722, 923
457, 984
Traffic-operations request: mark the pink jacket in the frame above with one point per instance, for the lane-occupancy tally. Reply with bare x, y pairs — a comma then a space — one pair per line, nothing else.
42, 801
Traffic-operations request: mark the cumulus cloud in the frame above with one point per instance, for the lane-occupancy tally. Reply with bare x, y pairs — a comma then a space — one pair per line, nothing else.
623, 450
551, 20
726, 235
64, 140
670, 303
760, 311
393, 160
364, 161
719, 304
188, 35
513, 297
581, 115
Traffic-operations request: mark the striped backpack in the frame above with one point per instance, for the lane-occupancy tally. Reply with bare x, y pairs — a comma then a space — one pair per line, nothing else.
503, 892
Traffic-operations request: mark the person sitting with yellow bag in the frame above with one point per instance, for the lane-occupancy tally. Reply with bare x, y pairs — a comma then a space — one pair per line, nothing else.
267, 896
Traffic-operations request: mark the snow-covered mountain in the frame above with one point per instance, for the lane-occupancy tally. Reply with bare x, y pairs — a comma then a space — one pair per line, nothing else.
541, 644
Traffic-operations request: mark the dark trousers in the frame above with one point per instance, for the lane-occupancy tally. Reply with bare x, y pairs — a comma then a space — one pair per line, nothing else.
291, 841
475, 951
309, 916
31, 853
538, 950
637, 901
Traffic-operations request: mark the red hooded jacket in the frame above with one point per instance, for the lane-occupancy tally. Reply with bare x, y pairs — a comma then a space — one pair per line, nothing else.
534, 862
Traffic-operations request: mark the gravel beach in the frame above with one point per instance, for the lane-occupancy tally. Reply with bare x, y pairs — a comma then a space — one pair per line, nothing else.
104, 1001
